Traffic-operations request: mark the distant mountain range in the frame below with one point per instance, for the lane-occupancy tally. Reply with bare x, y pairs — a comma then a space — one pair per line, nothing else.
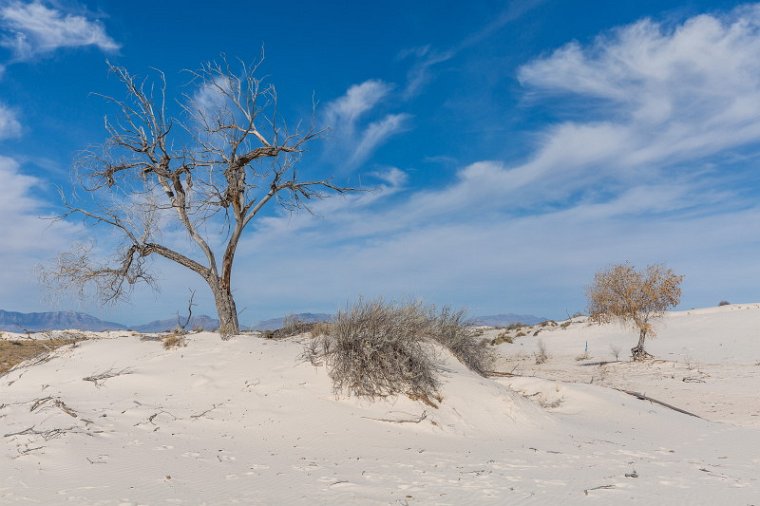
500, 320
54, 320
278, 323
196, 322
62, 320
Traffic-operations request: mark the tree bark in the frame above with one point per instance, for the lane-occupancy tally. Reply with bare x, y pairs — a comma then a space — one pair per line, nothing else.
225, 308
637, 352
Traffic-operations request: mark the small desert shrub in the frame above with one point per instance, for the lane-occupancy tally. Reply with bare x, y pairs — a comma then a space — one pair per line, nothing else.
582, 356
546, 404
541, 355
377, 349
504, 337
724, 303
175, 340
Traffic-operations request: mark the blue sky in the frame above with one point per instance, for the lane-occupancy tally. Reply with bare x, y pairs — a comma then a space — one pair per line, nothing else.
513, 148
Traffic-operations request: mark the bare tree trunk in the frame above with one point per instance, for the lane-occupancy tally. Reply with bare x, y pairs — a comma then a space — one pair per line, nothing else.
225, 308
637, 352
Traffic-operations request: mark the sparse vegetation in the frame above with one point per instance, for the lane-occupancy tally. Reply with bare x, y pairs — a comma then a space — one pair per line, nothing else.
377, 349
293, 327
542, 356
175, 340
321, 329
724, 303
13, 352
503, 337
634, 297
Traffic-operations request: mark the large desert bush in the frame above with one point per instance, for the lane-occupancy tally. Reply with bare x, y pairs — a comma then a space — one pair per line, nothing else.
377, 349
634, 297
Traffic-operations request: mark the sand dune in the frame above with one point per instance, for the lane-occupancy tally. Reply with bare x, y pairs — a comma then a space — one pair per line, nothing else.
120, 420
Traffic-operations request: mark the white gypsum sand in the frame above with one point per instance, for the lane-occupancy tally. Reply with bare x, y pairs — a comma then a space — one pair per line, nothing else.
118, 420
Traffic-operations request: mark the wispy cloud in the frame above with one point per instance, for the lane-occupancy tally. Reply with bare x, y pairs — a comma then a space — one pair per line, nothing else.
420, 73
353, 138
34, 29
27, 239
425, 58
10, 126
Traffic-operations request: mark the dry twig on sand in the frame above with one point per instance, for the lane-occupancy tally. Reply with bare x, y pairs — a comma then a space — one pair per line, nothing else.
96, 378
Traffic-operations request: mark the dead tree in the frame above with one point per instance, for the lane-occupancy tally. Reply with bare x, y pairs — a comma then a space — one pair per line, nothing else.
207, 174
634, 297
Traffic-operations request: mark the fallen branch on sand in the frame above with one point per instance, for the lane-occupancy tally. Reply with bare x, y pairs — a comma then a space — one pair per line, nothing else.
501, 374
212, 408
391, 420
46, 434
95, 378
601, 487
58, 403
643, 397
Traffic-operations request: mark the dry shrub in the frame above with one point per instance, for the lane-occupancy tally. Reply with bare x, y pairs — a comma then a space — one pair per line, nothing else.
723, 303
448, 329
504, 337
321, 329
541, 354
174, 340
377, 349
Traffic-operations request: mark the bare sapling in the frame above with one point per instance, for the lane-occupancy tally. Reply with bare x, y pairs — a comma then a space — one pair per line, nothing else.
201, 177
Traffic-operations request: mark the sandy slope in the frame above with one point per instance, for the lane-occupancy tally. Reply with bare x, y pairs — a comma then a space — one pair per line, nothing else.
247, 422
707, 360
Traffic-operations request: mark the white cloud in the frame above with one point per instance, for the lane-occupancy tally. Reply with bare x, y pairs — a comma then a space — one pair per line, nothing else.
375, 134
10, 126
670, 94
352, 140
211, 101
27, 239
32, 29
344, 112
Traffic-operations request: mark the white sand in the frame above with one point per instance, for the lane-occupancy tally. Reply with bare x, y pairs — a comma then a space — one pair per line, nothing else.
247, 422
